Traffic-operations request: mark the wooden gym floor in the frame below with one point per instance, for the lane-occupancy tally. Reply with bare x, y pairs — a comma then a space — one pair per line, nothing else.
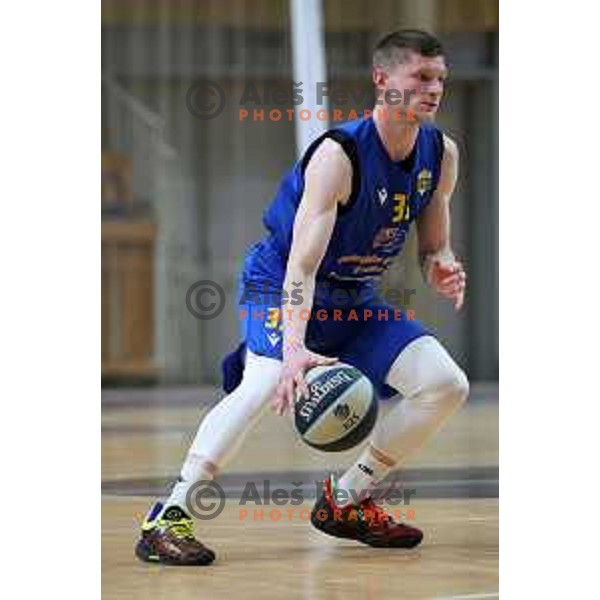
145, 434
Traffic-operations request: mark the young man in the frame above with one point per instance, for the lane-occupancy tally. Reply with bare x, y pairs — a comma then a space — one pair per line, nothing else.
338, 219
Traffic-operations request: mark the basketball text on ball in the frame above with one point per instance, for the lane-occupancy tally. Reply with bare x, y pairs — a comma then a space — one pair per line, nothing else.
319, 390
349, 423
340, 410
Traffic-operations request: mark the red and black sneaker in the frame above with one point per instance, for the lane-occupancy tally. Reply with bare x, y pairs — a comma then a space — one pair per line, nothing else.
168, 539
366, 523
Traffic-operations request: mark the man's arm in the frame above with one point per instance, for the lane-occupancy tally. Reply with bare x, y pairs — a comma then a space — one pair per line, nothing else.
440, 268
327, 183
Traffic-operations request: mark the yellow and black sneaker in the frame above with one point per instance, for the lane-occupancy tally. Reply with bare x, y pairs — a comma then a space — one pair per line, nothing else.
168, 539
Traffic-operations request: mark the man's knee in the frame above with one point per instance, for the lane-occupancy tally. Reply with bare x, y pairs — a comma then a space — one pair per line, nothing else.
460, 384
452, 382
425, 366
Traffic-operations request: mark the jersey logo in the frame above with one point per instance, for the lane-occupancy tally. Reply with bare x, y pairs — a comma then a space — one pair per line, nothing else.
382, 194
386, 237
424, 181
274, 338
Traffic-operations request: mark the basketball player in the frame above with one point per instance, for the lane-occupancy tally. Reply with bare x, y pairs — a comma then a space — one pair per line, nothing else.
339, 217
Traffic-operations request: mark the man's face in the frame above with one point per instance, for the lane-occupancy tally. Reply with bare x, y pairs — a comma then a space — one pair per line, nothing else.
419, 79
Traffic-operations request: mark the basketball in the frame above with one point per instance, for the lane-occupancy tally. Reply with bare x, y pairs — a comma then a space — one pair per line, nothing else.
341, 410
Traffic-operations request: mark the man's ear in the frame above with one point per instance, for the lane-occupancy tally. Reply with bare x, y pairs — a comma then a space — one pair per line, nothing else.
379, 76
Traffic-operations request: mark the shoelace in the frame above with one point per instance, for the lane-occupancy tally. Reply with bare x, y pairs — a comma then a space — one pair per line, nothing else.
183, 529
377, 513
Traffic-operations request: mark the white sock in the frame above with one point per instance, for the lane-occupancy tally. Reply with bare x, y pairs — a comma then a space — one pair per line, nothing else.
362, 477
195, 468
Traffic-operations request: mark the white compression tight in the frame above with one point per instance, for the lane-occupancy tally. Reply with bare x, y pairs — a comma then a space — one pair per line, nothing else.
224, 427
432, 385
222, 431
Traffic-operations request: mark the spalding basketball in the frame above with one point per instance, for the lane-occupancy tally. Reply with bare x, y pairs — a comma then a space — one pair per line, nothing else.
341, 410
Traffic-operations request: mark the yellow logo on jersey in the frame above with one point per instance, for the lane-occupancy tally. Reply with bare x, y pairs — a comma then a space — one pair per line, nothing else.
424, 181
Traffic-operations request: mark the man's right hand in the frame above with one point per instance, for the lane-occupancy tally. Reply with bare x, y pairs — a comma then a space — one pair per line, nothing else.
292, 375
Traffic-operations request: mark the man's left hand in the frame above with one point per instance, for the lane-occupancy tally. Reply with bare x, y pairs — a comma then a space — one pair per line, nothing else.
448, 278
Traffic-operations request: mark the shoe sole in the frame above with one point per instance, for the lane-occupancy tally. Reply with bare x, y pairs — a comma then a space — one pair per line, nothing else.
144, 552
373, 542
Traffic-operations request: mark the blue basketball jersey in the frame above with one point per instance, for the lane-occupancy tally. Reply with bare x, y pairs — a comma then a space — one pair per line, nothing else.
369, 232
387, 196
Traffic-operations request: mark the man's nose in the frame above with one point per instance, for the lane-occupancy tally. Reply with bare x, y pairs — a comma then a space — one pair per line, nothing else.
434, 87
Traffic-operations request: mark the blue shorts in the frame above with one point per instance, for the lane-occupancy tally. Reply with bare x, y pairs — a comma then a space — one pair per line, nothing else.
368, 336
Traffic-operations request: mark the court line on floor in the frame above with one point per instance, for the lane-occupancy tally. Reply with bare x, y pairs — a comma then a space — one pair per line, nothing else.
207, 395
470, 596
447, 487
424, 476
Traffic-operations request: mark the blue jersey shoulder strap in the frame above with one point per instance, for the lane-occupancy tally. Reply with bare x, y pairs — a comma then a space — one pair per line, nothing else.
348, 144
